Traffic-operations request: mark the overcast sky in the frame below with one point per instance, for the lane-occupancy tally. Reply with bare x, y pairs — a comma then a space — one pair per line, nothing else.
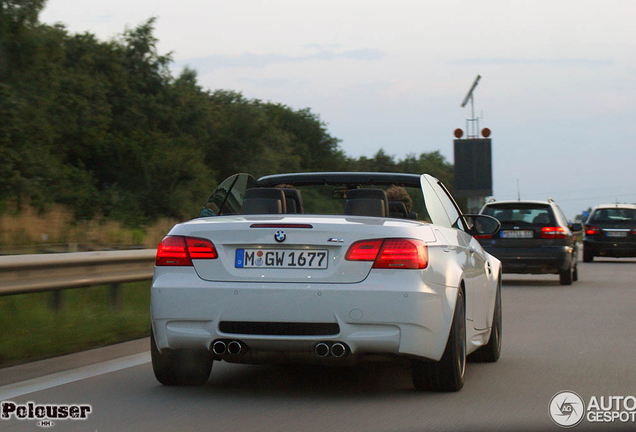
558, 87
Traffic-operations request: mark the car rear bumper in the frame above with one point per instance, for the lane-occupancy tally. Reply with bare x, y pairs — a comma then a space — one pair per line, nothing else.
611, 249
548, 259
379, 317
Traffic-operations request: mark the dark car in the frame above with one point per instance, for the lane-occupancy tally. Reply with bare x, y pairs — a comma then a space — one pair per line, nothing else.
610, 231
535, 238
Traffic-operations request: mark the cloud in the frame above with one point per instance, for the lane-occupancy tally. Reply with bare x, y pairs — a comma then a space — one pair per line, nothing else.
312, 46
315, 46
264, 82
548, 62
254, 60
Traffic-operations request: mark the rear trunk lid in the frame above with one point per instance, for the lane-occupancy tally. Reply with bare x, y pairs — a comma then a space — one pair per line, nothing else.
319, 243
615, 232
522, 225
613, 224
514, 235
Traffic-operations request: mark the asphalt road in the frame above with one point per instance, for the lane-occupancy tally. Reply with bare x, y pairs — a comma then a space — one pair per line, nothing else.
578, 338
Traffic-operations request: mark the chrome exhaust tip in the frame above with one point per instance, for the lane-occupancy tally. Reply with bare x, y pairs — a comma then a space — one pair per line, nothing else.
322, 349
219, 347
234, 347
338, 349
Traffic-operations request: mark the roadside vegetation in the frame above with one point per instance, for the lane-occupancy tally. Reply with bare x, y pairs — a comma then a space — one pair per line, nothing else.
32, 329
105, 129
56, 230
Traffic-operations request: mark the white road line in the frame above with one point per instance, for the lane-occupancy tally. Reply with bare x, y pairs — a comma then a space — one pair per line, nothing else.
57, 379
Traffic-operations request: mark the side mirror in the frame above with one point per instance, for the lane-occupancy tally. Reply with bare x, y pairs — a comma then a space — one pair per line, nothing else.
574, 227
482, 224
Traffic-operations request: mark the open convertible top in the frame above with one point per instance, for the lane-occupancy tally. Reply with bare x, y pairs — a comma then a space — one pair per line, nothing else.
340, 178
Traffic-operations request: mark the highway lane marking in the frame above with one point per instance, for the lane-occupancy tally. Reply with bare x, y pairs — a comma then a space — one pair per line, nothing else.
22, 388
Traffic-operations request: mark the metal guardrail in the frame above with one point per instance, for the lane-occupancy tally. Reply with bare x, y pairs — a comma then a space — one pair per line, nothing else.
39, 248
51, 272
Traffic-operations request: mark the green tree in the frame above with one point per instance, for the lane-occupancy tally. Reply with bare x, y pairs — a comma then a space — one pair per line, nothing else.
104, 127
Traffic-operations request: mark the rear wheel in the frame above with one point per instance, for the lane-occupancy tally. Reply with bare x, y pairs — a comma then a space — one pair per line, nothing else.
490, 352
448, 374
565, 277
180, 367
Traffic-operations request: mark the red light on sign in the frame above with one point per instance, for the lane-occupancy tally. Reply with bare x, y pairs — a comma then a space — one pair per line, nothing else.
485, 132
458, 133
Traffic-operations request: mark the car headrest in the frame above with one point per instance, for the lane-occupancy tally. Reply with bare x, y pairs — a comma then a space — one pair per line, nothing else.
366, 202
294, 200
397, 209
541, 219
504, 215
264, 201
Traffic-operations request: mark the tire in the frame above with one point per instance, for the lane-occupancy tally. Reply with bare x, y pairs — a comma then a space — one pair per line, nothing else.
180, 367
448, 374
565, 278
588, 256
490, 352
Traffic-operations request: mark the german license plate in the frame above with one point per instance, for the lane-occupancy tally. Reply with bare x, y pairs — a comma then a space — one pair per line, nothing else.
282, 258
616, 234
517, 234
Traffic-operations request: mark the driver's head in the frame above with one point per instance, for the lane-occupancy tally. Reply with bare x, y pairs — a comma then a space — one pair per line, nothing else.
398, 193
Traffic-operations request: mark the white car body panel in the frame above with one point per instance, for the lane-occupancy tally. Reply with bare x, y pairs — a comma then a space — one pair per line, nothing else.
378, 311
232, 232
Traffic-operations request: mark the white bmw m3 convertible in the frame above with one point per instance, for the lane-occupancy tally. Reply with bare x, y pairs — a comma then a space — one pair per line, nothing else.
329, 268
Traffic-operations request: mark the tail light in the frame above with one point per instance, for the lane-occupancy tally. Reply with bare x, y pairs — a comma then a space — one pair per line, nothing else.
402, 253
483, 237
390, 253
199, 248
364, 250
180, 251
592, 230
553, 233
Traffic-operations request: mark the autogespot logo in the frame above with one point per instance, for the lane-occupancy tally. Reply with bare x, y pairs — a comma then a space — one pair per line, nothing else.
567, 409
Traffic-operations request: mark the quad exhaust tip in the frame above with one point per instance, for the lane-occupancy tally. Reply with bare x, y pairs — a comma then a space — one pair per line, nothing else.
219, 348
234, 347
322, 349
338, 349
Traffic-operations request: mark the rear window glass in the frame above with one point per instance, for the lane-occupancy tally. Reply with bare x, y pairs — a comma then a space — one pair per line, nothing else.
614, 215
402, 202
330, 200
531, 214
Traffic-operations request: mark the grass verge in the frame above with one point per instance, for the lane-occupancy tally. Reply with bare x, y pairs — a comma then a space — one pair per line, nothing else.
32, 330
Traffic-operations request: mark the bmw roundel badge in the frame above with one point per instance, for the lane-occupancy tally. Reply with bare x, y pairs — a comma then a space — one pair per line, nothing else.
280, 236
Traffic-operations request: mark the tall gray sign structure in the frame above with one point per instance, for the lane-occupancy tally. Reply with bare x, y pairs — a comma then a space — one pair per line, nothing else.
473, 159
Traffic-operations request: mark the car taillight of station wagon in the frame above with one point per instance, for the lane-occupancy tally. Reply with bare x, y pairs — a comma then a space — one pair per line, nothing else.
553, 233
